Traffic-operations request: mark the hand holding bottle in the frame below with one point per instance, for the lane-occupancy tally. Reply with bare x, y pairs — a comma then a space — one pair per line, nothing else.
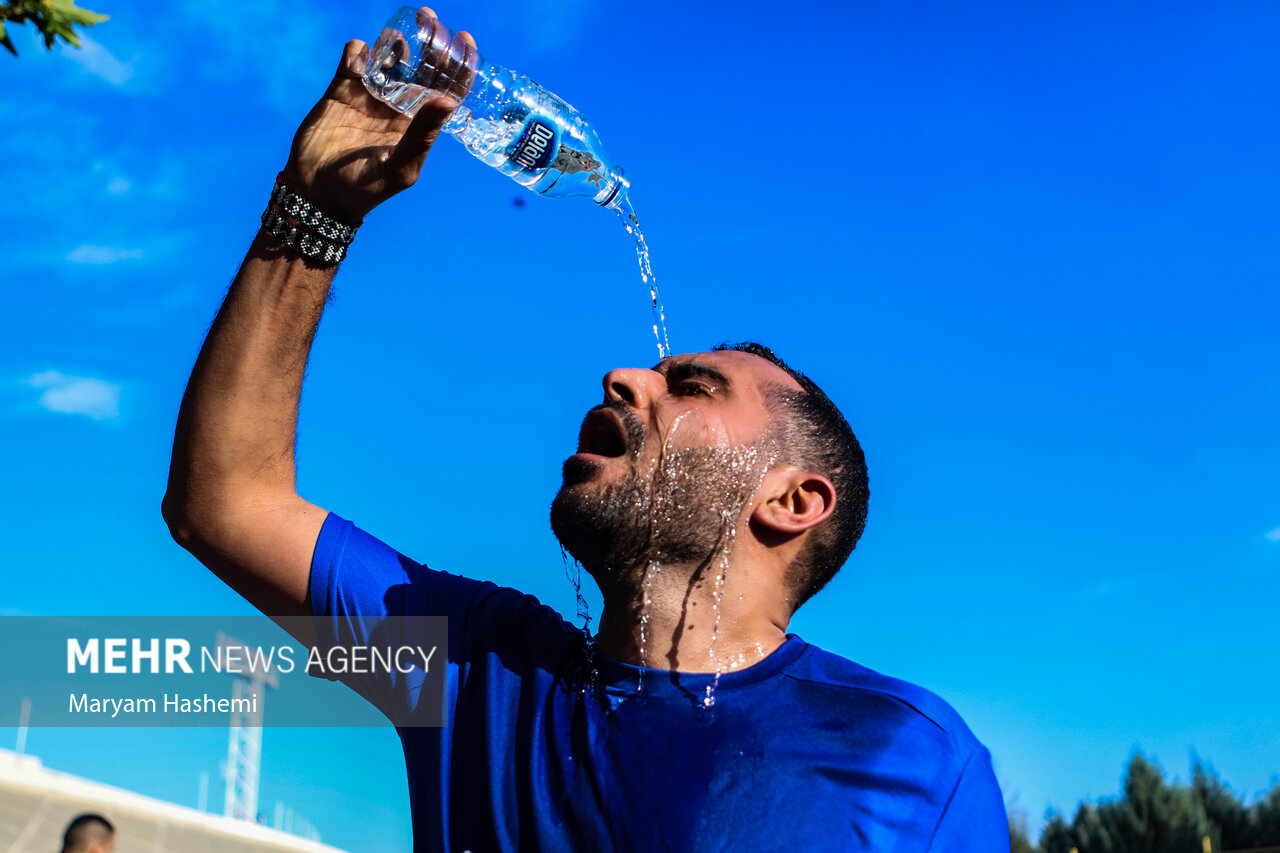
352, 152
507, 120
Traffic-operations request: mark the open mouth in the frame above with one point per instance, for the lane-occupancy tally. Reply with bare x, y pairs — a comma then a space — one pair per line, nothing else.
602, 434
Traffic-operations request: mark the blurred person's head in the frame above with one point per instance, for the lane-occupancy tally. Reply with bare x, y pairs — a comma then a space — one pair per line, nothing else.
89, 833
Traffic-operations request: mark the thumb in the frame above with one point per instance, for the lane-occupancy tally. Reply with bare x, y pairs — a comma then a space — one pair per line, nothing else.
355, 54
410, 152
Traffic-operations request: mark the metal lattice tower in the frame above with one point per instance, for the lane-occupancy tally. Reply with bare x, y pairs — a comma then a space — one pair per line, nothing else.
244, 741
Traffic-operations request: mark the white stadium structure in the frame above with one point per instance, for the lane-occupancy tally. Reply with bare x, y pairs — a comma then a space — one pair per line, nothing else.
36, 804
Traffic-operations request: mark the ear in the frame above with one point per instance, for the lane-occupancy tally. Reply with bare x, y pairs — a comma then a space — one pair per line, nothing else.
794, 500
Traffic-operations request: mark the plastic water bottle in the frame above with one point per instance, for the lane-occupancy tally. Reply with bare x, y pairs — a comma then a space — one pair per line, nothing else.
504, 118
508, 121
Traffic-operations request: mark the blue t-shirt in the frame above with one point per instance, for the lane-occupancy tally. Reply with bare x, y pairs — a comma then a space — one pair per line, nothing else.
805, 751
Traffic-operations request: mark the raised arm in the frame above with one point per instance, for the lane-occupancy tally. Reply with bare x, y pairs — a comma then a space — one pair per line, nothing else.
232, 499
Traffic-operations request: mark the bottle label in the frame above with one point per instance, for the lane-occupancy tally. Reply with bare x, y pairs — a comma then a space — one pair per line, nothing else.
535, 147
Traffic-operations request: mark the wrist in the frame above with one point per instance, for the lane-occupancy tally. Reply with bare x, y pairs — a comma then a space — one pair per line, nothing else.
303, 227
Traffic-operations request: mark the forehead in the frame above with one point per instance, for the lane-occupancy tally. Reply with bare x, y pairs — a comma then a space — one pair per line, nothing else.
741, 368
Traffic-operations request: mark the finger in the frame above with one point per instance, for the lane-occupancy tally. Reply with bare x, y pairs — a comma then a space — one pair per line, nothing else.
460, 70
425, 15
410, 152
355, 54
392, 48
433, 55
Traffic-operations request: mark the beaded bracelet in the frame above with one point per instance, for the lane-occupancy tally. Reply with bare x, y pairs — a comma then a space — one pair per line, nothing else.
316, 235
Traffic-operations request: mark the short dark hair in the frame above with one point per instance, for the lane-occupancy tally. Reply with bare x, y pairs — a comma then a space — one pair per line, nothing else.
816, 436
88, 828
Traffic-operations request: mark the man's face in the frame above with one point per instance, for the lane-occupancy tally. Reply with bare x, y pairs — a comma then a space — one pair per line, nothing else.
666, 463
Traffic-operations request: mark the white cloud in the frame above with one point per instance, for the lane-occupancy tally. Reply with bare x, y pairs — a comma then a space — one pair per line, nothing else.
77, 395
1274, 535
100, 62
97, 255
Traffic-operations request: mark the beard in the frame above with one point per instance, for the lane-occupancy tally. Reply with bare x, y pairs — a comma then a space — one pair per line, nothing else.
605, 528
680, 511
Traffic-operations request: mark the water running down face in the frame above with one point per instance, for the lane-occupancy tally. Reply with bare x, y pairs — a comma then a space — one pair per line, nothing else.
666, 463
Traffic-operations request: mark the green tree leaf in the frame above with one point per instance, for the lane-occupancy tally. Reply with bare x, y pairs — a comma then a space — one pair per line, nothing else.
73, 13
54, 19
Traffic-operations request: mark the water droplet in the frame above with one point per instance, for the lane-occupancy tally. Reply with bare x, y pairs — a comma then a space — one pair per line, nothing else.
745, 467
686, 485
573, 571
632, 225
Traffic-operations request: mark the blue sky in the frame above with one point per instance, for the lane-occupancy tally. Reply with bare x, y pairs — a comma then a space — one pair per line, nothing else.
1031, 252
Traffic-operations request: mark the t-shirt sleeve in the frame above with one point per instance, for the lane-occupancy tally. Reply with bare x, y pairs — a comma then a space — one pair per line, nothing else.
364, 592
357, 581
974, 818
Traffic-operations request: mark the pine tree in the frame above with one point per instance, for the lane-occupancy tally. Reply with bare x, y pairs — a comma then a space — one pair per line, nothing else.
1153, 816
1019, 841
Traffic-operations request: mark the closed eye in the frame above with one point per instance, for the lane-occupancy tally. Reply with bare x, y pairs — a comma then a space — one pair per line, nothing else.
690, 388
691, 378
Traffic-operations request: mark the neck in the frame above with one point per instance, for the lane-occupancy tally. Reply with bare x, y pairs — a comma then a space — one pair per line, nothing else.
691, 619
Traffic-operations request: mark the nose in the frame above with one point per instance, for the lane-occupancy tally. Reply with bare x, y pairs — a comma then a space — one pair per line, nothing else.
630, 385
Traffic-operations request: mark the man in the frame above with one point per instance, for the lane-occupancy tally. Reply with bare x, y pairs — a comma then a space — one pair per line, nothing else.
710, 496
89, 833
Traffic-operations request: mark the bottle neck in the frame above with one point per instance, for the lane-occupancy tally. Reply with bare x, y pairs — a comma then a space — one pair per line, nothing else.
614, 193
